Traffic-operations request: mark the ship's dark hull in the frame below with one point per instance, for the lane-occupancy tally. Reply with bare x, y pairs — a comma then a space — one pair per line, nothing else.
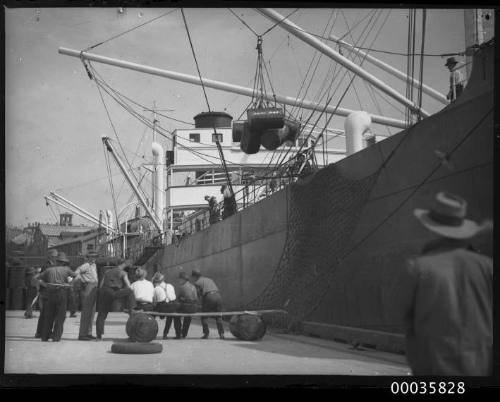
330, 248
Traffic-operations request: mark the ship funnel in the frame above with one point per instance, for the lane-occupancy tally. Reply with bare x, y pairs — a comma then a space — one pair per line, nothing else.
356, 125
158, 169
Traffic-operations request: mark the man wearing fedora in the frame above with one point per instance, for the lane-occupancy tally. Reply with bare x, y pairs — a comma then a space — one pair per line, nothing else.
449, 310
87, 277
42, 291
456, 79
56, 281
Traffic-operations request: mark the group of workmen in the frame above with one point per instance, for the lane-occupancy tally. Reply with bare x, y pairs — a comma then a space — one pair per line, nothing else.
57, 280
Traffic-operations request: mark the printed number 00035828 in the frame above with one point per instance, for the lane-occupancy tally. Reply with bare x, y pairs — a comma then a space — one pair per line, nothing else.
427, 387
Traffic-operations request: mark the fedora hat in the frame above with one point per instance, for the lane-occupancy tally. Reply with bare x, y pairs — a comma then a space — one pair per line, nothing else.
451, 61
62, 257
52, 252
447, 217
184, 275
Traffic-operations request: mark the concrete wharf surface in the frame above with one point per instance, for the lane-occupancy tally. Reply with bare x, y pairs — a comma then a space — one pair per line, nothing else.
274, 354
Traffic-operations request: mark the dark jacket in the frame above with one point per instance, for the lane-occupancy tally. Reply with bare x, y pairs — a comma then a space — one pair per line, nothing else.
449, 317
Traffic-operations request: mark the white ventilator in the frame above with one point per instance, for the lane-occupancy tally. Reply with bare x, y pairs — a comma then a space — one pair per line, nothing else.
356, 125
158, 168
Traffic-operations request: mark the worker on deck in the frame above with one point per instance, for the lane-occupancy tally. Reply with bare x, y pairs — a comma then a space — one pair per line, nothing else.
211, 301
213, 208
42, 292
88, 282
229, 202
115, 285
456, 80
54, 279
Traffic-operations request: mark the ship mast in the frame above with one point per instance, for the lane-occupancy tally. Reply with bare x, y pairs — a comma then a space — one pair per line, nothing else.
391, 70
223, 86
328, 51
107, 142
58, 200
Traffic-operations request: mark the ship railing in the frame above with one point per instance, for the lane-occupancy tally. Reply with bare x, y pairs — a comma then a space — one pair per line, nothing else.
255, 190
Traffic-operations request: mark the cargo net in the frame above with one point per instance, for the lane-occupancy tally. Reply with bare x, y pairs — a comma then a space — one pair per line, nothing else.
323, 212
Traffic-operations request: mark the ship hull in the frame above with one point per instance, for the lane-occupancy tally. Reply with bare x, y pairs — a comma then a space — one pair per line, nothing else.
331, 247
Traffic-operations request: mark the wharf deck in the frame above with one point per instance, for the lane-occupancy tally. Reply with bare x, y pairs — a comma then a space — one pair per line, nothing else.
274, 354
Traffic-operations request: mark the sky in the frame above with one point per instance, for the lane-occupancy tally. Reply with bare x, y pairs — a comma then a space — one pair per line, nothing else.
54, 116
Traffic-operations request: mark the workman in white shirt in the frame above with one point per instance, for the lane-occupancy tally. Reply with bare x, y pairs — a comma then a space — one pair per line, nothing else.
143, 291
164, 301
86, 275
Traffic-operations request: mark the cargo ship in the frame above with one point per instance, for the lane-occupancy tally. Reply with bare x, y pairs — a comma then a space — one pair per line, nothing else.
327, 246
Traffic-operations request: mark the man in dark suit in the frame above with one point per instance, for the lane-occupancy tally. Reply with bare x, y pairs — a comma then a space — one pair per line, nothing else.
114, 285
449, 307
55, 280
42, 292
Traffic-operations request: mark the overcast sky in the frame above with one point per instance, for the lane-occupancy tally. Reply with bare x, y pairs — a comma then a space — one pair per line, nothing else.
55, 117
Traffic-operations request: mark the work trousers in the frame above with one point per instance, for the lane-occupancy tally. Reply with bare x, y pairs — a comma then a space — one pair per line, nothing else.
88, 296
55, 314
105, 299
144, 306
72, 300
42, 302
31, 292
170, 307
188, 308
212, 302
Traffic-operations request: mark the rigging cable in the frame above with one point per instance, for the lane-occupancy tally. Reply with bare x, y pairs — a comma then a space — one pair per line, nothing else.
112, 125
416, 188
133, 159
195, 59
108, 167
424, 15
243, 22
279, 22
333, 13
369, 88
219, 148
145, 121
324, 109
131, 29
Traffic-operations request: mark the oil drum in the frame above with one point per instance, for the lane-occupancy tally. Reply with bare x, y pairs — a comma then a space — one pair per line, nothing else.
250, 140
273, 138
247, 327
265, 118
238, 129
141, 327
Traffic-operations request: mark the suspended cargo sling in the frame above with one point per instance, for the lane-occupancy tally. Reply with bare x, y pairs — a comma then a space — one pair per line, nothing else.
273, 138
265, 118
238, 129
250, 140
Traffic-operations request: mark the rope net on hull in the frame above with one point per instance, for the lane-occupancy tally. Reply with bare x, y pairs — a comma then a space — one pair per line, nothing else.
323, 211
